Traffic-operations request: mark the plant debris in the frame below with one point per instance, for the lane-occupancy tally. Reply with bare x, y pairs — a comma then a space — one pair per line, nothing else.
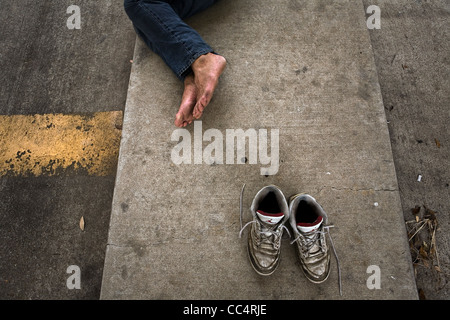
422, 238
438, 144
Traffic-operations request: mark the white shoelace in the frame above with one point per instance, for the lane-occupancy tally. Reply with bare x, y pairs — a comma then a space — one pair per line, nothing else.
266, 232
311, 238
335, 256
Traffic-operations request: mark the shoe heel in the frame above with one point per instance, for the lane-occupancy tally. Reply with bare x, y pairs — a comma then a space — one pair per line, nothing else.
291, 198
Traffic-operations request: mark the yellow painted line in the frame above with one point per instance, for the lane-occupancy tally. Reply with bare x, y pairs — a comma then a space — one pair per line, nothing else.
51, 144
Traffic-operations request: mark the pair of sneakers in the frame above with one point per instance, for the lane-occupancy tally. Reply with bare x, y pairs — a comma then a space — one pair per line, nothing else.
309, 223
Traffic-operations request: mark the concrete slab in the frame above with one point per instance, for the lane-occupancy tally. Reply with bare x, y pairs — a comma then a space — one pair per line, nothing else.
304, 70
49, 71
411, 54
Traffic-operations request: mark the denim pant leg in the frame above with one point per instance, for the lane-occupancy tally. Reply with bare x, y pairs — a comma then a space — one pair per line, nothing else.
160, 25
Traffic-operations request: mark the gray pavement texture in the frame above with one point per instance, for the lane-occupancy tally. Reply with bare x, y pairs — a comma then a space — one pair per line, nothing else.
411, 53
174, 228
46, 68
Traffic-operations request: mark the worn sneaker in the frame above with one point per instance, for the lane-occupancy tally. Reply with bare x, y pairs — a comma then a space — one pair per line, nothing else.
307, 219
270, 212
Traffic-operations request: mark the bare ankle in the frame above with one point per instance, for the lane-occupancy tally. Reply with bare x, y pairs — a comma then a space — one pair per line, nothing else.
211, 62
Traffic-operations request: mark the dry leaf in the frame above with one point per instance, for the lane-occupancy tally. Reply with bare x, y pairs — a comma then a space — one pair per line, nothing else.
432, 251
416, 210
423, 253
438, 144
82, 223
422, 295
430, 214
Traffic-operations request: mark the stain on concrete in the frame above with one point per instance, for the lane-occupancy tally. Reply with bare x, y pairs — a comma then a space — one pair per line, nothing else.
35, 145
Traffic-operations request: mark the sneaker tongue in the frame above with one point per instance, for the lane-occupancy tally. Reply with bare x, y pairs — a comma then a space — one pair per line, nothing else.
270, 218
308, 227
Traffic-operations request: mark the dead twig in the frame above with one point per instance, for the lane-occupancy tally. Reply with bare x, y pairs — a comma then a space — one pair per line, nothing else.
422, 238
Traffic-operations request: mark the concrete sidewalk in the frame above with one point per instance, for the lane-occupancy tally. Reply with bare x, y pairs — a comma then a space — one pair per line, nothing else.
304, 70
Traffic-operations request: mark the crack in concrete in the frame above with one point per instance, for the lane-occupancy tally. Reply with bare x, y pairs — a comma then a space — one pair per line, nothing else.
358, 189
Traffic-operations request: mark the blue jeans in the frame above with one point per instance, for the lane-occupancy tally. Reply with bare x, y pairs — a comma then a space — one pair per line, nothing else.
160, 25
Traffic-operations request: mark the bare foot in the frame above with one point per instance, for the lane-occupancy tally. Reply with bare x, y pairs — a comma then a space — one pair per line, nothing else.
207, 70
184, 115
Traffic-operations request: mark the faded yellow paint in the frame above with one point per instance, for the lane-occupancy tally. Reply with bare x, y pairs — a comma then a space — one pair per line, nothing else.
49, 144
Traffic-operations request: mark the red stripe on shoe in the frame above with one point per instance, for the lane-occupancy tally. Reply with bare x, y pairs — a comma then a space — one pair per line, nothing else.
309, 224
